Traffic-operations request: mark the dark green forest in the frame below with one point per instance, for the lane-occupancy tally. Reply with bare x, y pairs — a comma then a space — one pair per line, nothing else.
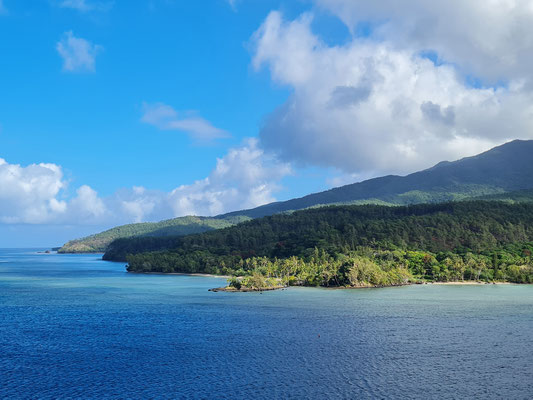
354, 246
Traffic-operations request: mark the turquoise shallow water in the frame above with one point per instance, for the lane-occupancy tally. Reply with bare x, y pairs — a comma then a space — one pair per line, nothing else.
73, 326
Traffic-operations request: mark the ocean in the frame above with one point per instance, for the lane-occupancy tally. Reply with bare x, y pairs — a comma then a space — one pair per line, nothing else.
74, 326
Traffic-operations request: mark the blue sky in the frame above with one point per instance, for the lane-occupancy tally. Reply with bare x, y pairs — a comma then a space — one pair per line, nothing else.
178, 53
150, 109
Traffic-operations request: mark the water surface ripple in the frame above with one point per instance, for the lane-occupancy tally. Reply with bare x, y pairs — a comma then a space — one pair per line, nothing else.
73, 326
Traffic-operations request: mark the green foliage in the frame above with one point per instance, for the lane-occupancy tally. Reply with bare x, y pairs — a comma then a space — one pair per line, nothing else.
519, 196
356, 246
235, 283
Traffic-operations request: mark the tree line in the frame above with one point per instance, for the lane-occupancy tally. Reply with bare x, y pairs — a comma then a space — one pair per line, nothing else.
355, 246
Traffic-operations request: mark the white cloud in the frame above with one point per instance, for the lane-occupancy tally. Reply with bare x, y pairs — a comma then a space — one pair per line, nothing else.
30, 194
492, 39
139, 204
85, 6
245, 177
78, 54
86, 206
371, 106
164, 117
3, 9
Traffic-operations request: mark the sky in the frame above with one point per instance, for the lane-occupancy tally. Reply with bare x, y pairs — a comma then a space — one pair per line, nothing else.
115, 111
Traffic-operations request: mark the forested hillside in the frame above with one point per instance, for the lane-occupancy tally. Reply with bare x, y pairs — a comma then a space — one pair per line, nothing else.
520, 196
443, 236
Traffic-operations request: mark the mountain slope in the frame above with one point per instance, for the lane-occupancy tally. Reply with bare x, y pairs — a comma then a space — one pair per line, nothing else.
505, 168
520, 196
172, 227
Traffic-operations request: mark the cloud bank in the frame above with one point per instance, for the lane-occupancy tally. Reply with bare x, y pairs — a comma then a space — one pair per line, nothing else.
378, 104
245, 177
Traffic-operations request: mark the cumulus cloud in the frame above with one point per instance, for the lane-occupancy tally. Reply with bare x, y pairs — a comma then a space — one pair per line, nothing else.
86, 206
164, 117
374, 106
345, 96
433, 112
139, 204
78, 54
30, 194
492, 39
245, 177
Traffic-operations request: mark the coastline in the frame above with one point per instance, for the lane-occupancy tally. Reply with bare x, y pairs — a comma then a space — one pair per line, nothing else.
248, 289
243, 290
78, 252
182, 274
460, 283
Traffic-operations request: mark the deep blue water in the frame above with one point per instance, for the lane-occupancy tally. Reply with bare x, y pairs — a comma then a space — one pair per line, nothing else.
73, 326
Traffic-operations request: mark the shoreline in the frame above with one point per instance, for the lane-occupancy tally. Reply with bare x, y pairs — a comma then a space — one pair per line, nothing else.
244, 290
79, 252
181, 274
226, 289
460, 283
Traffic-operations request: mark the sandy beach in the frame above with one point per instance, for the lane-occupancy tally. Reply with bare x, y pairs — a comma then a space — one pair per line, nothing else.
181, 273
469, 283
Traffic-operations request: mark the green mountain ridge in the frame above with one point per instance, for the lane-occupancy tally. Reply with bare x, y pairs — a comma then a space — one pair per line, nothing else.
503, 169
